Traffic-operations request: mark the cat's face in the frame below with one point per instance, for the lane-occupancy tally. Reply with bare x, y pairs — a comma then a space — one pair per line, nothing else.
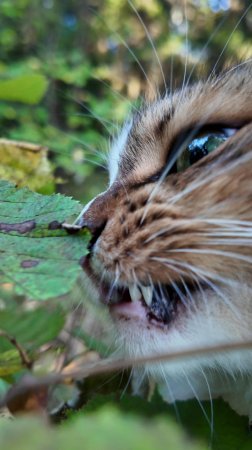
171, 252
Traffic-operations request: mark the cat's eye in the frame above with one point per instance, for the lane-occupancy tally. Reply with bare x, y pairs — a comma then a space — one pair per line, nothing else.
201, 146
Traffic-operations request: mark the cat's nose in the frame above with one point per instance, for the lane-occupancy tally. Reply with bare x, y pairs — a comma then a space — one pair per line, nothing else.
95, 215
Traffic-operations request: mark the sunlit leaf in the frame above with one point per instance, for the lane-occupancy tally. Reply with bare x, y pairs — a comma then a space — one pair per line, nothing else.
10, 361
27, 89
27, 165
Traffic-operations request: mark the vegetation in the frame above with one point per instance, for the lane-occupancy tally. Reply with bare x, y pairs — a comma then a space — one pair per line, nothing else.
70, 72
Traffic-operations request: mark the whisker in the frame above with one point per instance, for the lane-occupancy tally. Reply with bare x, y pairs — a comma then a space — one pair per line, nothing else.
178, 291
96, 116
188, 268
127, 384
171, 78
85, 144
205, 300
113, 285
124, 43
198, 400
237, 66
174, 403
188, 292
213, 252
150, 41
228, 40
213, 34
227, 223
91, 115
205, 276
229, 242
174, 158
220, 294
186, 58
116, 93
96, 163
211, 405
201, 182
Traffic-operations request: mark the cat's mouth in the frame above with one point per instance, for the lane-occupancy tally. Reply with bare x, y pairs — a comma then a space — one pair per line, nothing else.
155, 304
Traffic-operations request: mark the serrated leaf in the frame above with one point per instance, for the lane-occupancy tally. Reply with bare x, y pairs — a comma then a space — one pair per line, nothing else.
27, 89
38, 260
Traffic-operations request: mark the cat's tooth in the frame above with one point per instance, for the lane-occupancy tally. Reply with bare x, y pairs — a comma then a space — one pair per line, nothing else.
147, 292
134, 293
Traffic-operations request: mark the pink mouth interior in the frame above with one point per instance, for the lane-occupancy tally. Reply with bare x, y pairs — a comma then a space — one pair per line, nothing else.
160, 313
134, 310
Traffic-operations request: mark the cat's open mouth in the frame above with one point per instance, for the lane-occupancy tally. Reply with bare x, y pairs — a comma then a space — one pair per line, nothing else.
155, 304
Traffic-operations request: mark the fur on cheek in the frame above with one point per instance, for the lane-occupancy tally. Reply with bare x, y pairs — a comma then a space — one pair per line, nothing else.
183, 233
189, 232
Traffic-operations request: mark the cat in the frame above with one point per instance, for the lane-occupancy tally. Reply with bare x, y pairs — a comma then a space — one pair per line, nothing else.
171, 254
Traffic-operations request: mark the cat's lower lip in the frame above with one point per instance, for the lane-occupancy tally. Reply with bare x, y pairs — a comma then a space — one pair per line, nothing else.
135, 303
134, 311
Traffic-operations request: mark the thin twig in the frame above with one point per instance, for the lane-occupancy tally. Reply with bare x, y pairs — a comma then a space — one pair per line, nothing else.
26, 361
108, 365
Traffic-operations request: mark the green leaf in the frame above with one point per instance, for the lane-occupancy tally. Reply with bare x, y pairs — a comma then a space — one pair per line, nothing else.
31, 329
27, 165
35, 258
230, 431
4, 386
106, 430
10, 361
91, 342
27, 89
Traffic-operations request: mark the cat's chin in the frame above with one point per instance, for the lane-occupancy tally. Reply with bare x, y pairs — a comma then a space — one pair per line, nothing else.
204, 321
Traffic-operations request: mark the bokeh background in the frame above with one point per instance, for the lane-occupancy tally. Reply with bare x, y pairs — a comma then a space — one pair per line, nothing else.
98, 60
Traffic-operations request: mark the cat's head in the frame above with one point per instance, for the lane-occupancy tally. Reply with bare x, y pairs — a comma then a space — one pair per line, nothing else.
171, 254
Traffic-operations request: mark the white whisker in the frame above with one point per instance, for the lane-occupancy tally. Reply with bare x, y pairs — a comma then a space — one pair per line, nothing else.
213, 252
198, 400
228, 40
186, 58
211, 405
244, 159
173, 400
150, 40
203, 275
213, 34
124, 43
174, 158
116, 93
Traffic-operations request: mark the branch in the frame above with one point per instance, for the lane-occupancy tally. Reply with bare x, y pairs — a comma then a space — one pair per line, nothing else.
26, 361
108, 365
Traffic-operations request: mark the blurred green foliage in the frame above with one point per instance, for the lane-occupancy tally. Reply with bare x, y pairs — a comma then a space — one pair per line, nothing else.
97, 58
91, 61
